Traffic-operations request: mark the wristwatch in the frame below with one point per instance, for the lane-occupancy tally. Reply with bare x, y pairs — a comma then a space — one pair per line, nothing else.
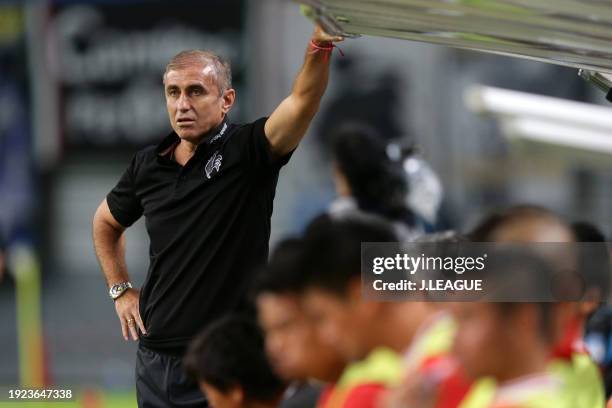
119, 289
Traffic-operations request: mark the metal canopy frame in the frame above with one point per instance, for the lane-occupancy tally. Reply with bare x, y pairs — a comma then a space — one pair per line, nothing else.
563, 32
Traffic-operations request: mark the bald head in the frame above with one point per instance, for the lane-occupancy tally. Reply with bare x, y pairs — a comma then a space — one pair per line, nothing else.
209, 61
523, 224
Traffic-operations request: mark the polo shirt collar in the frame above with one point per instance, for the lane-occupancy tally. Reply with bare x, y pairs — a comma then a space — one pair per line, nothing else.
214, 135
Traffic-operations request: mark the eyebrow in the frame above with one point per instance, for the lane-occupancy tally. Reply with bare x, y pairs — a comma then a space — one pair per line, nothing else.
193, 86
189, 86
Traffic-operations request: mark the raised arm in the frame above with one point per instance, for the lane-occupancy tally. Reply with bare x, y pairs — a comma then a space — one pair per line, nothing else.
109, 243
289, 122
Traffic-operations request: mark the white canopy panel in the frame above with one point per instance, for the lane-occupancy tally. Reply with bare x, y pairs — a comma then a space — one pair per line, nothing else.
566, 32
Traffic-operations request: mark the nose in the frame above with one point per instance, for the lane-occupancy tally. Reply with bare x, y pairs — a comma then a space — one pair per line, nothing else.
182, 103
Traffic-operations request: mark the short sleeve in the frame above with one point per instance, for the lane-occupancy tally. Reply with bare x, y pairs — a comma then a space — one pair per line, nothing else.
122, 201
259, 151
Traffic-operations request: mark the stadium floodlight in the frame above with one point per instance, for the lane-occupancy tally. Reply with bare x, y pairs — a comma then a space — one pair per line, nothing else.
566, 32
560, 135
503, 102
545, 119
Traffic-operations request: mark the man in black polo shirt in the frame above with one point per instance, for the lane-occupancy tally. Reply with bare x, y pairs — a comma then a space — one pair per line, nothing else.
206, 193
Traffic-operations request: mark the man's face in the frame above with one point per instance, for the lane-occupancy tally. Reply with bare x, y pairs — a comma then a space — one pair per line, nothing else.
339, 322
285, 331
293, 346
194, 102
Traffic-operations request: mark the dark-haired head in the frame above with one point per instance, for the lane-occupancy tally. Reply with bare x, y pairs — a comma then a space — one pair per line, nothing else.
229, 362
587, 232
294, 349
331, 256
282, 274
377, 183
332, 268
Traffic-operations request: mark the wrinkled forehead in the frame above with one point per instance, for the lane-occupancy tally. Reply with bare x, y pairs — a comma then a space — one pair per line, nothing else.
196, 71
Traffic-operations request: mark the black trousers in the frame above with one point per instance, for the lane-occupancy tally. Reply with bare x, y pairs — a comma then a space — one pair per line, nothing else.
162, 383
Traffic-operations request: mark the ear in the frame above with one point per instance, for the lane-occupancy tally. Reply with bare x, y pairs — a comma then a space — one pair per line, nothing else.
590, 301
229, 96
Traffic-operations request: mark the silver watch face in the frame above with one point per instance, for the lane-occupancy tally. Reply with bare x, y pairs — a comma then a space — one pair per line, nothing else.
118, 289
115, 290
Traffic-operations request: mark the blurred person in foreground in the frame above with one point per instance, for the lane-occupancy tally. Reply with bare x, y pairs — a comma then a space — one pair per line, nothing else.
431, 375
599, 315
294, 348
510, 342
370, 335
229, 363
206, 192
487, 337
593, 317
367, 179
568, 364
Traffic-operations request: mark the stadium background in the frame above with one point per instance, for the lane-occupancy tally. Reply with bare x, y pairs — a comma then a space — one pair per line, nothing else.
80, 92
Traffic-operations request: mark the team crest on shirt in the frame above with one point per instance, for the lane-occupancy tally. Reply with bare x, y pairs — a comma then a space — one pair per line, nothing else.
213, 164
